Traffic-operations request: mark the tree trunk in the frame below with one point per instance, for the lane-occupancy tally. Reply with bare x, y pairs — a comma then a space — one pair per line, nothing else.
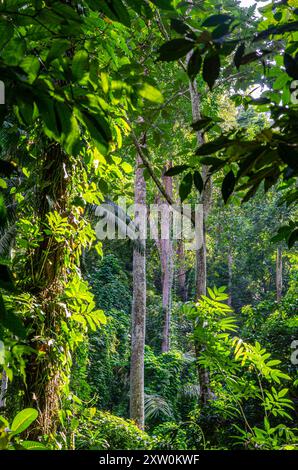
201, 265
47, 373
279, 274
3, 389
230, 274
166, 258
138, 315
181, 271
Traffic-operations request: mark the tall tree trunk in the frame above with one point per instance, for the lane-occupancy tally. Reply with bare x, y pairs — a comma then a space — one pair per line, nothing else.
278, 273
181, 271
138, 315
47, 373
201, 265
230, 274
166, 258
3, 389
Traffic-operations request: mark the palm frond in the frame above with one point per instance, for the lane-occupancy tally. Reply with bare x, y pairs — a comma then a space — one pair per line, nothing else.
116, 218
155, 406
7, 236
191, 390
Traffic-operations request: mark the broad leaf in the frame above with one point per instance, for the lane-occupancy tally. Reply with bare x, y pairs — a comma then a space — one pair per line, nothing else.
228, 185
194, 64
175, 49
23, 420
185, 186
211, 69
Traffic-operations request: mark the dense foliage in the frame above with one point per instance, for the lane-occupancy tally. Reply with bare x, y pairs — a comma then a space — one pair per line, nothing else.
169, 102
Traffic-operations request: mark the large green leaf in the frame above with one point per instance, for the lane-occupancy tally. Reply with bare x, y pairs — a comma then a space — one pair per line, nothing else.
13, 52
6, 33
79, 64
239, 54
228, 185
150, 93
33, 445
185, 186
215, 20
163, 4
194, 64
211, 69
23, 420
176, 170
70, 130
291, 66
198, 181
175, 49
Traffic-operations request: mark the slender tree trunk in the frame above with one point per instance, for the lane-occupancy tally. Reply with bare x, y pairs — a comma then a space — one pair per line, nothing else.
201, 265
278, 273
230, 274
3, 389
138, 315
166, 258
181, 271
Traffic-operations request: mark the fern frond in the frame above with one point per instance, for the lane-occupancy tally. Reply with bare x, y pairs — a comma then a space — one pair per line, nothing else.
155, 406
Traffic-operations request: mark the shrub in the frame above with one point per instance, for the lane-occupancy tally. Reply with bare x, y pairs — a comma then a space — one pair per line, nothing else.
101, 430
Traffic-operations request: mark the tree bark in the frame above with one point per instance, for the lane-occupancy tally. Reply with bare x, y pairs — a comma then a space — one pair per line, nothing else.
279, 273
3, 389
201, 264
138, 315
181, 271
166, 258
47, 373
230, 275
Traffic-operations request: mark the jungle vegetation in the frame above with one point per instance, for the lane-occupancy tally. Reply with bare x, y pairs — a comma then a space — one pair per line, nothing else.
143, 343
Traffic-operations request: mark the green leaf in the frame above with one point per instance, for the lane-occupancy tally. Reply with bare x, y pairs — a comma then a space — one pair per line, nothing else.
291, 66
31, 66
98, 128
293, 238
79, 65
46, 108
179, 26
33, 445
185, 186
228, 185
215, 20
211, 147
163, 4
175, 49
9, 320
70, 131
279, 29
239, 54
23, 420
259, 101
220, 31
211, 69
58, 49
289, 155
115, 10
6, 33
201, 124
198, 181
176, 170
150, 93
14, 51
194, 64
